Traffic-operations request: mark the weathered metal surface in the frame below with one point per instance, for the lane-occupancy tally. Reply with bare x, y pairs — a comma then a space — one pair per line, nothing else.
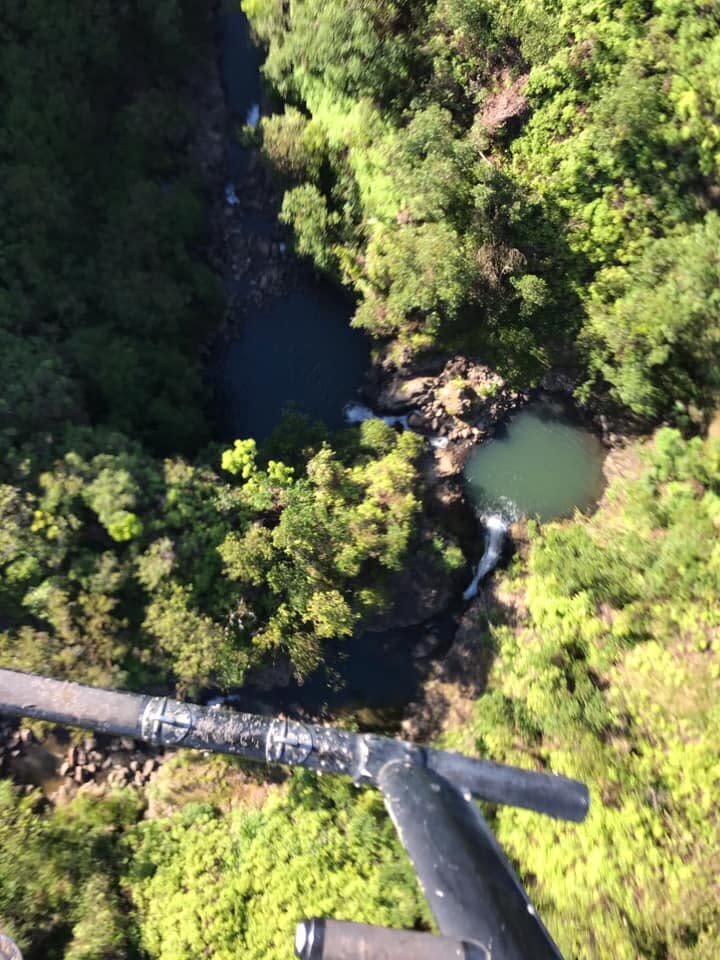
340, 940
474, 894
107, 711
9, 950
472, 890
163, 720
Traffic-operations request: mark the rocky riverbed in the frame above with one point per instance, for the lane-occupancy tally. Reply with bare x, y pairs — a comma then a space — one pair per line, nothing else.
249, 248
63, 767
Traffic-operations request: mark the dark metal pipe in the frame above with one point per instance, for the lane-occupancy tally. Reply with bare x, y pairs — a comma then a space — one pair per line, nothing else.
107, 711
472, 890
340, 940
170, 722
475, 896
546, 793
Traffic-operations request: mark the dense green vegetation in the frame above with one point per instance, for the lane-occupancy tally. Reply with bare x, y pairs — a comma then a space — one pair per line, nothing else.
115, 566
606, 668
59, 875
90, 882
525, 180
207, 884
612, 675
104, 296
512, 177
120, 568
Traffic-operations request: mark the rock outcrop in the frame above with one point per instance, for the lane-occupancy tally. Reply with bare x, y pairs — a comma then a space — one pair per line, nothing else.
462, 401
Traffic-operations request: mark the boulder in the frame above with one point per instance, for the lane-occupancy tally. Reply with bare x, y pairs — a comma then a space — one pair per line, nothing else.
447, 462
398, 394
428, 643
416, 421
455, 399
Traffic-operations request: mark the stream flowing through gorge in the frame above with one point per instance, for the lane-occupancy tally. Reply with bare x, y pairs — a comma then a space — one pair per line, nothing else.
295, 348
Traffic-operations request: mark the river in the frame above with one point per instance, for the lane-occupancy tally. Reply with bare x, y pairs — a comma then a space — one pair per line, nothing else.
296, 349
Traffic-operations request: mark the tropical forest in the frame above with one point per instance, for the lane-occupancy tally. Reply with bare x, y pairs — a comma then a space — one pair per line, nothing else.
360, 364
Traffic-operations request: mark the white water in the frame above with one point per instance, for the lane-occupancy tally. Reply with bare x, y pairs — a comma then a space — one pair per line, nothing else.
219, 701
496, 528
252, 119
358, 412
496, 524
230, 196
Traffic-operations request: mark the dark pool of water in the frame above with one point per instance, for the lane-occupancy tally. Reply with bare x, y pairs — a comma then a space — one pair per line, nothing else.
372, 676
544, 463
298, 350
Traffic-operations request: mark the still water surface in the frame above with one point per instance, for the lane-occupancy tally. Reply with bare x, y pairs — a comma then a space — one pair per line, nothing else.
298, 350
543, 463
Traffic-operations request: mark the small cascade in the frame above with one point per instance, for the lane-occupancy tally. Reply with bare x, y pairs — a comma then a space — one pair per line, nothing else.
496, 527
358, 412
231, 197
252, 118
222, 700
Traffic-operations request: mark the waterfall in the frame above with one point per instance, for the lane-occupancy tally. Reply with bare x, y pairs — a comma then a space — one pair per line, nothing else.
357, 412
252, 118
496, 528
231, 197
221, 700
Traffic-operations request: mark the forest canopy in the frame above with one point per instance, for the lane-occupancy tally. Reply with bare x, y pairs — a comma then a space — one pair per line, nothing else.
532, 182
509, 178
611, 673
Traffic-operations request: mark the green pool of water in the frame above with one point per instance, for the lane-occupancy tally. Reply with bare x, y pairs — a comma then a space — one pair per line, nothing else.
543, 464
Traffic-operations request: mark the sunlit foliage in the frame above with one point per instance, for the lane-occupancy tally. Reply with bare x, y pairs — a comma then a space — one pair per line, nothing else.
544, 163
613, 677
237, 884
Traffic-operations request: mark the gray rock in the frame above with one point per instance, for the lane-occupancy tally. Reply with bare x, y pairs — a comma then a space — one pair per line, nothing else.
427, 645
398, 394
